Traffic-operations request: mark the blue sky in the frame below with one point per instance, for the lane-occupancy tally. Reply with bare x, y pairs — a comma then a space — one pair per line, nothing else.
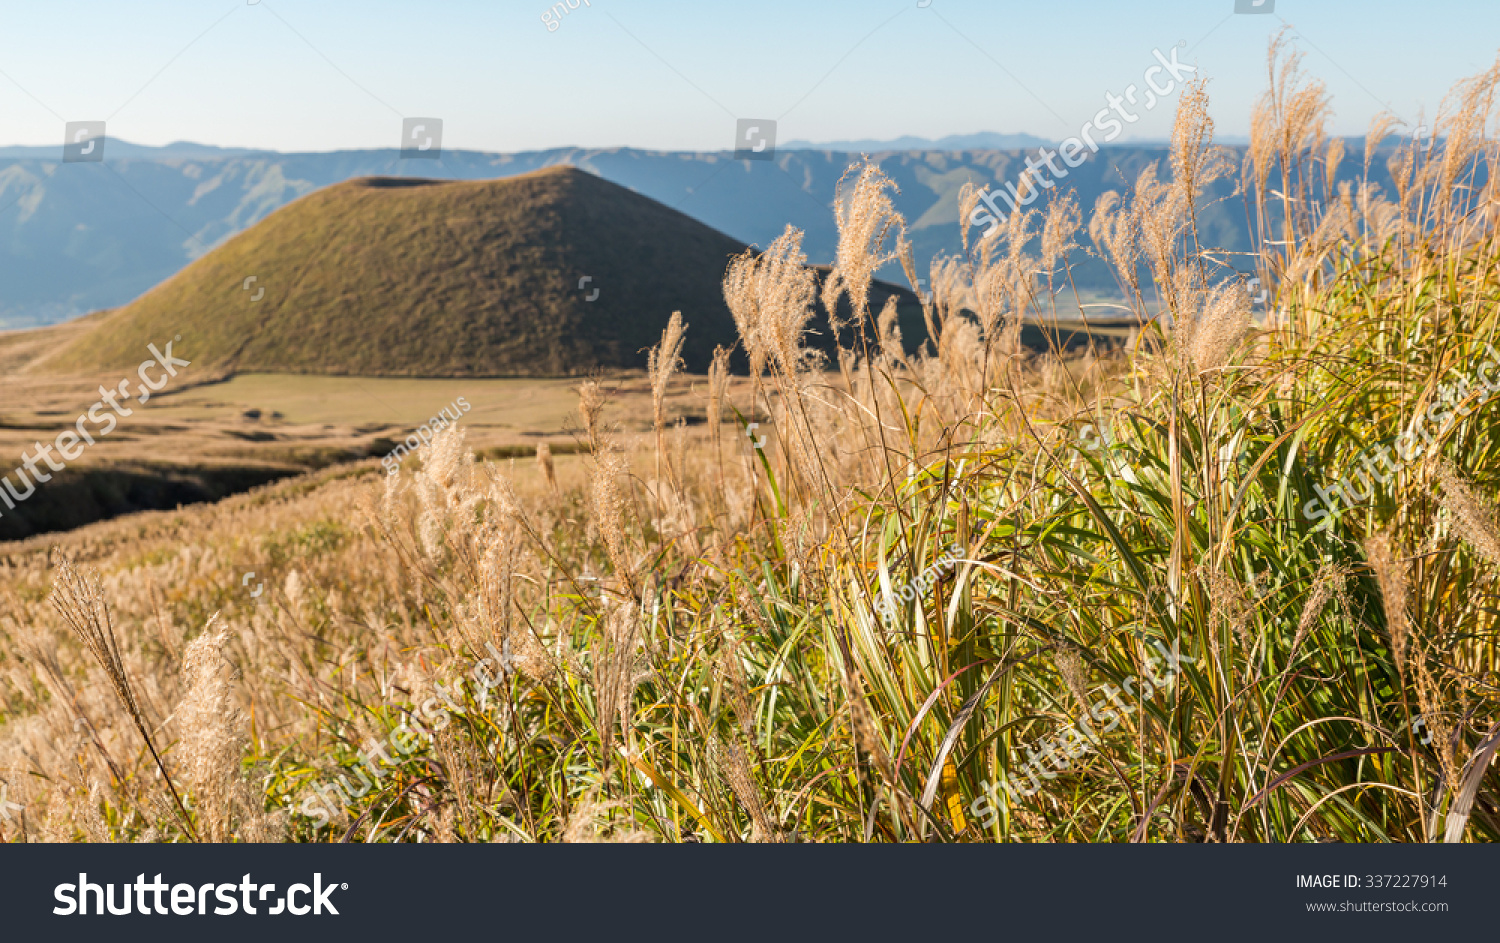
330, 74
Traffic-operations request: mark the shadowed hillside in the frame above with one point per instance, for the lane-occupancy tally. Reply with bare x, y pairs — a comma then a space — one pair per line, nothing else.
399, 277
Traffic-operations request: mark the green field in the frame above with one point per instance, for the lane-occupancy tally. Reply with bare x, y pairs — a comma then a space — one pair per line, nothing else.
510, 404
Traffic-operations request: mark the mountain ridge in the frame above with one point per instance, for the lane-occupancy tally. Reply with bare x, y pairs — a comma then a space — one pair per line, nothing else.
978, 141
76, 238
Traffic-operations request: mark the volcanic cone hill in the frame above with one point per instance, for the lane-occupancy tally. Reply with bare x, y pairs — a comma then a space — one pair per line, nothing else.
405, 277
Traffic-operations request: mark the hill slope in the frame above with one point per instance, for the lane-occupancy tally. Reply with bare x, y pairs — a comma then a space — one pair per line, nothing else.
385, 276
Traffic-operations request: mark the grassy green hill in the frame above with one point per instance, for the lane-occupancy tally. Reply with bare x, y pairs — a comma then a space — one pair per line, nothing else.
401, 277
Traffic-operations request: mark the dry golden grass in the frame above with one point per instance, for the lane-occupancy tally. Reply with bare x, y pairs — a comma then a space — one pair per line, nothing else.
282, 419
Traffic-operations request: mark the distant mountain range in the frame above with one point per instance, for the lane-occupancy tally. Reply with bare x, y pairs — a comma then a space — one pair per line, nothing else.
982, 141
77, 237
120, 149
